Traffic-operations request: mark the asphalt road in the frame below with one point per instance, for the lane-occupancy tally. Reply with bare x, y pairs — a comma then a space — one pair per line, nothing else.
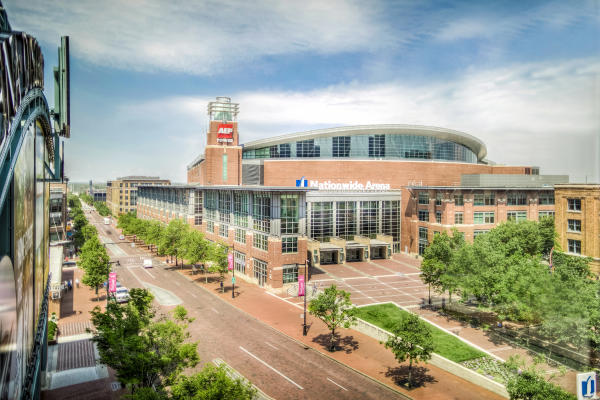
278, 365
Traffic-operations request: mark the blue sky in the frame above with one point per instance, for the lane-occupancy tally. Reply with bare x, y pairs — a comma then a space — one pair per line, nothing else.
522, 76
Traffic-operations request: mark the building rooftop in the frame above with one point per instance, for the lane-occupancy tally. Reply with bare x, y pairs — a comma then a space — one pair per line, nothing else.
140, 178
234, 187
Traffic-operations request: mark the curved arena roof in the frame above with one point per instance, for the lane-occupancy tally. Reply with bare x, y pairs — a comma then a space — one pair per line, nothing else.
469, 141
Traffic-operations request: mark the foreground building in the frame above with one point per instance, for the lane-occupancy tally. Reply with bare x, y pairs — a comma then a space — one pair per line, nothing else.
121, 194
578, 220
30, 148
356, 193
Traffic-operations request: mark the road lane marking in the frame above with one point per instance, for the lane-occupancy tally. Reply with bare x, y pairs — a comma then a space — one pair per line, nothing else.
146, 271
337, 384
287, 301
270, 345
193, 295
215, 310
273, 369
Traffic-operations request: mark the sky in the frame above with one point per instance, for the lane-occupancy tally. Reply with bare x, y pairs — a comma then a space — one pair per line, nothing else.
522, 76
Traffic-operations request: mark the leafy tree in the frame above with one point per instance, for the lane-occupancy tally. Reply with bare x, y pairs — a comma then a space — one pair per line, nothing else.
153, 233
218, 256
196, 247
527, 386
102, 208
94, 261
548, 235
335, 309
171, 239
438, 268
79, 222
212, 383
86, 198
88, 231
412, 341
73, 201
141, 350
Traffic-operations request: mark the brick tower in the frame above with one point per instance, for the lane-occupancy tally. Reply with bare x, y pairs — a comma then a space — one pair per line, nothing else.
222, 164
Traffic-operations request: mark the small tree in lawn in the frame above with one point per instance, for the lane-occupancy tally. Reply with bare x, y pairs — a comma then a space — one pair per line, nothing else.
412, 341
94, 261
335, 309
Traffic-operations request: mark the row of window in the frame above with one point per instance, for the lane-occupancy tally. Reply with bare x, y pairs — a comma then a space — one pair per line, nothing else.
489, 199
290, 272
516, 216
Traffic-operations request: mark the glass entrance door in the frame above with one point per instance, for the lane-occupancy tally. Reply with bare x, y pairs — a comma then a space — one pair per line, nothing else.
260, 271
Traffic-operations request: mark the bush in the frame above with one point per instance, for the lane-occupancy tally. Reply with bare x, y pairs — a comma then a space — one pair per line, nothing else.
52, 330
528, 386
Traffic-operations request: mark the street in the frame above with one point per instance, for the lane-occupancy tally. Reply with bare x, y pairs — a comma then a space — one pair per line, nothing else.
278, 365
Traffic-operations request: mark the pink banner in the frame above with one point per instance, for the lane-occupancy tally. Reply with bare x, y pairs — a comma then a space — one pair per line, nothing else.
112, 282
230, 261
301, 288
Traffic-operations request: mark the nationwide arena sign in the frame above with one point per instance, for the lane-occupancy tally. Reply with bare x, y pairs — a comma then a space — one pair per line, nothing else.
350, 185
225, 133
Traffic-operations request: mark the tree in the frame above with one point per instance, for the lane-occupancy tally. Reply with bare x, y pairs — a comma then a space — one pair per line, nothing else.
88, 231
171, 238
218, 255
412, 341
335, 309
196, 248
153, 233
438, 262
141, 350
212, 383
94, 261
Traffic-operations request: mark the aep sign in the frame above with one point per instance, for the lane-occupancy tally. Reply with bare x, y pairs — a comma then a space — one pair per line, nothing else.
225, 133
586, 386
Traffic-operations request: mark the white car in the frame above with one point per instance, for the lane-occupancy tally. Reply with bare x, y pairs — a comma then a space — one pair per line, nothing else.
122, 295
122, 237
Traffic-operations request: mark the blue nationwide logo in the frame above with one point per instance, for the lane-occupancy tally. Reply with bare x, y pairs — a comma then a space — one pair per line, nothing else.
588, 387
301, 182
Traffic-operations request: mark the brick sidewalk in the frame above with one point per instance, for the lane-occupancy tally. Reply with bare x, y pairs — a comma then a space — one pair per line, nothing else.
360, 352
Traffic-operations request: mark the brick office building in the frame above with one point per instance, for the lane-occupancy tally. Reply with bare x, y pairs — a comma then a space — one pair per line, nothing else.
578, 220
358, 184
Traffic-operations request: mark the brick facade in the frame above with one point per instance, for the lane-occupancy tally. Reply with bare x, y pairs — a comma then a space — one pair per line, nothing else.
588, 216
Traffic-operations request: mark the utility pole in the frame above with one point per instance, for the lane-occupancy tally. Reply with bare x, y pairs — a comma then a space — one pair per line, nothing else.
304, 330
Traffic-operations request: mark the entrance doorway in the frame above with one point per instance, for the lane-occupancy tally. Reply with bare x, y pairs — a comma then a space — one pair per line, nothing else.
260, 272
378, 252
353, 255
329, 257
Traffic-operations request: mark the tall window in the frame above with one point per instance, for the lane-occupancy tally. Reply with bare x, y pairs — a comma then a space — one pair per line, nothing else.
223, 230
290, 273
423, 240
210, 226
424, 198
483, 218
345, 219
458, 218
224, 206
391, 219
459, 200
261, 241
321, 220
574, 225
377, 146
516, 216
240, 209
289, 244
542, 214
423, 215
574, 246
341, 146
516, 199
289, 213
546, 198
307, 148
240, 235
369, 211
438, 199
574, 204
438, 217
239, 261
484, 199
262, 212
224, 167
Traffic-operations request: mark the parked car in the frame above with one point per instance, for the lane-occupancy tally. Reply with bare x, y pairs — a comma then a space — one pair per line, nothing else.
122, 295
122, 237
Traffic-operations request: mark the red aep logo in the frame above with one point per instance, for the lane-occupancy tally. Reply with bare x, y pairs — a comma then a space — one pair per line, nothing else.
225, 131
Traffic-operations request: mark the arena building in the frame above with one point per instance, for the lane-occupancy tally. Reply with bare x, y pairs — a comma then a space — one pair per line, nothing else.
355, 192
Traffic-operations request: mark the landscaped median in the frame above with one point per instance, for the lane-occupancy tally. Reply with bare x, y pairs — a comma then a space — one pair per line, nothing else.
377, 320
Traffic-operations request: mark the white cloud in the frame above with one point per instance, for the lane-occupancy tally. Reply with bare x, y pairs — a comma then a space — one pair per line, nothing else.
200, 37
543, 114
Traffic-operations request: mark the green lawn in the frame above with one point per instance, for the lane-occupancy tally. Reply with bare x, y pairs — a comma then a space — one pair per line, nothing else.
386, 315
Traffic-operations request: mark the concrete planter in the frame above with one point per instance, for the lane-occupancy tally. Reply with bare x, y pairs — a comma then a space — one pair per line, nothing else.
437, 360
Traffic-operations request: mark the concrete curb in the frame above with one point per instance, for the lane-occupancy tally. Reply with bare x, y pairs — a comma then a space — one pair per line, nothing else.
304, 345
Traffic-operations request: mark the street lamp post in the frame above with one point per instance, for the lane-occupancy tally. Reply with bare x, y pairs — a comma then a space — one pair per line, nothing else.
304, 330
